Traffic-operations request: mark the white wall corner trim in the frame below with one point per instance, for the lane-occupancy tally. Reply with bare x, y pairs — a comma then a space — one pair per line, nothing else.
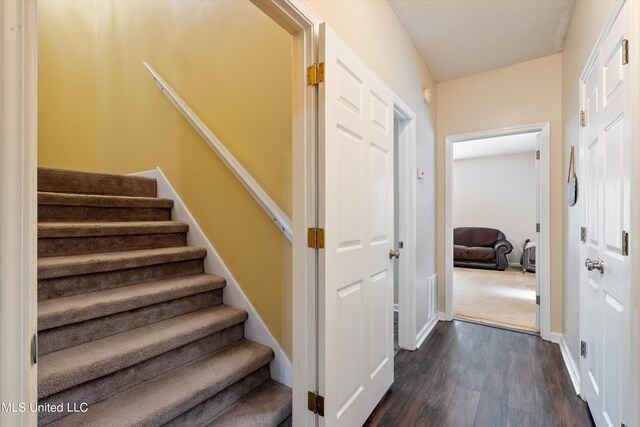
255, 329
18, 208
569, 361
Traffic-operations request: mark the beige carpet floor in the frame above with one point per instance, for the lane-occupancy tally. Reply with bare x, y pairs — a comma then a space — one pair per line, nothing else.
505, 298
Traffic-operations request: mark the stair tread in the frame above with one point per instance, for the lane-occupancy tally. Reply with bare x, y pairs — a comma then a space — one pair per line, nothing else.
61, 266
75, 365
66, 180
94, 229
98, 200
266, 406
58, 312
161, 399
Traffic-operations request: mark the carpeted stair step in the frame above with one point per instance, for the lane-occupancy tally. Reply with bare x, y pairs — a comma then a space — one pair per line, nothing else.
68, 181
110, 261
56, 339
104, 387
75, 238
268, 405
66, 207
67, 368
65, 286
161, 399
64, 311
75, 320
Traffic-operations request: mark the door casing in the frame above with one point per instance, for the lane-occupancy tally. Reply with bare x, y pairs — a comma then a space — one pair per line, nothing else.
543, 258
18, 202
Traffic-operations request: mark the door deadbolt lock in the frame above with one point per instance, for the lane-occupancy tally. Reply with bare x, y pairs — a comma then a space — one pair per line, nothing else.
594, 265
393, 254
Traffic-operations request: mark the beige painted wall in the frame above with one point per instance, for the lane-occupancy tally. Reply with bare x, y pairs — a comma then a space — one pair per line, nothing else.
91, 53
383, 44
525, 93
497, 192
588, 19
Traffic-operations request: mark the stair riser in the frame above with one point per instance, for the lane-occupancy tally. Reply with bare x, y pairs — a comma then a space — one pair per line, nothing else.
88, 245
209, 409
74, 285
82, 332
57, 213
65, 181
109, 385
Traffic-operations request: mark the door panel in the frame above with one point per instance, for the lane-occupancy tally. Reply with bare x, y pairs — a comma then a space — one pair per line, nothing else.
606, 303
356, 160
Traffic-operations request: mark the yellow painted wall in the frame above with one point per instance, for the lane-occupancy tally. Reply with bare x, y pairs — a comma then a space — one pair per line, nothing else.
520, 94
232, 64
67, 84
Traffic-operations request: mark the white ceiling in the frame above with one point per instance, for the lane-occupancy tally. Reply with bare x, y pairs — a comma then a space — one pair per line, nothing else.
457, 38
496, 146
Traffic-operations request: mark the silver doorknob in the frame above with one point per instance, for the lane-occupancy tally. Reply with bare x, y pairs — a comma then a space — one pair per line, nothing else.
393, 253
594, 265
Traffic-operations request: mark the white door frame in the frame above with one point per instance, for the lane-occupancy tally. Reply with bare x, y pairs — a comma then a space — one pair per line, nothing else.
18, 241
543, 271
634, 242
407, 224
302, 22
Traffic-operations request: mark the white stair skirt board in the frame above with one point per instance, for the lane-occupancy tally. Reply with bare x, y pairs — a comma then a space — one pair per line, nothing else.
574, 371
255, 329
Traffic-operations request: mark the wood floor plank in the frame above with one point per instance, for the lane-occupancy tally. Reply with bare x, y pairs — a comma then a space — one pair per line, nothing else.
466, 374
493, 405
462, 407
521, 382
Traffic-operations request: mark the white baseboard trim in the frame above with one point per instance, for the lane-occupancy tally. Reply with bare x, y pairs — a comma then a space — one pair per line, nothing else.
441, 315
572, 368
426, 330
255, 329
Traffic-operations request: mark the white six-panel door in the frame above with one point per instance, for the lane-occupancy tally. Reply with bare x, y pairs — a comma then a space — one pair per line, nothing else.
606, 296
356, 210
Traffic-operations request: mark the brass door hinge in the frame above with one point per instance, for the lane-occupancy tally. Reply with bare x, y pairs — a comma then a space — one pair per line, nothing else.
625, 243
315, 403
625, 52
34, 349
537, 154
315, 238
537, 227
583, 349
315, 74
583, 118
583, 234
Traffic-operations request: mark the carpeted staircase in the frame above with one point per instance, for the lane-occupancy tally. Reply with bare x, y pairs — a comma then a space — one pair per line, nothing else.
129, 323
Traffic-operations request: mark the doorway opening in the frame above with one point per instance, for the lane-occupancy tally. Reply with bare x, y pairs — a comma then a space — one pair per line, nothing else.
497, 228
404, 280
495, 213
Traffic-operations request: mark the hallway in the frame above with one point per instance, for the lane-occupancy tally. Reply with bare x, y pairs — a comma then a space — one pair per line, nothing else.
466, 374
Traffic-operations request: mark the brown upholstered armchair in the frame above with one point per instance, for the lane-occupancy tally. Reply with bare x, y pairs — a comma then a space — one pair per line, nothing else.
478, 247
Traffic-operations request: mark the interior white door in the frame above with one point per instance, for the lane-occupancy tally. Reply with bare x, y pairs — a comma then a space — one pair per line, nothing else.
606, 308
356, 209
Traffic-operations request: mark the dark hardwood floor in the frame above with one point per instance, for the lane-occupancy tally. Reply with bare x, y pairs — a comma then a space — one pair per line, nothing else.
466, 374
